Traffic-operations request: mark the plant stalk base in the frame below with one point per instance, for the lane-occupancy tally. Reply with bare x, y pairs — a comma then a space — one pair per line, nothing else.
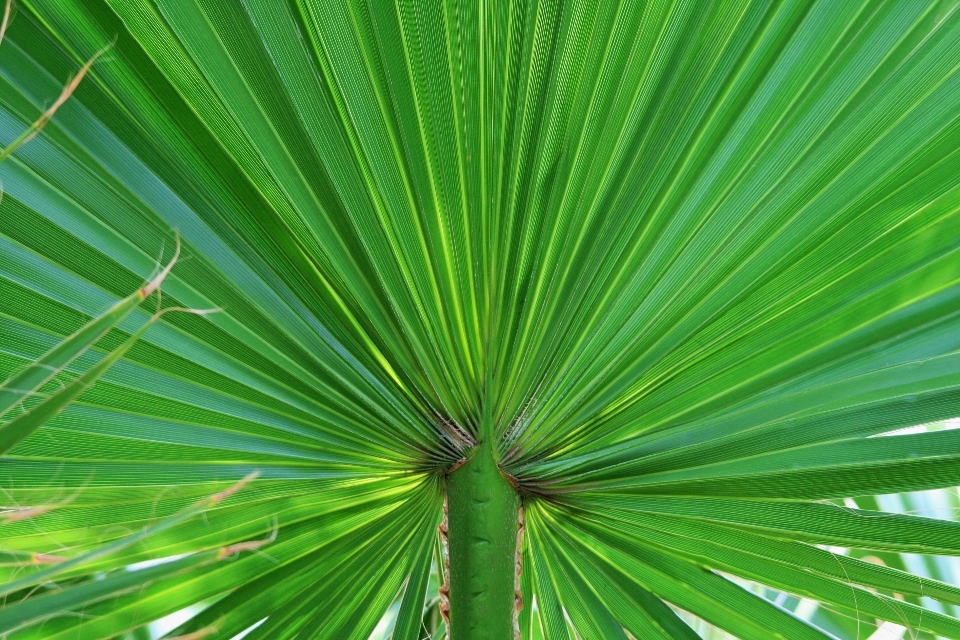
483, 510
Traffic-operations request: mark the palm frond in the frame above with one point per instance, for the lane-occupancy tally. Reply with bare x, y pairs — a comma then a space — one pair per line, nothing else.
685, 265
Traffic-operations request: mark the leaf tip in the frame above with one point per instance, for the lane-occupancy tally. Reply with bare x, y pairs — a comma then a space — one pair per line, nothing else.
154, 284
229, 491
5, 22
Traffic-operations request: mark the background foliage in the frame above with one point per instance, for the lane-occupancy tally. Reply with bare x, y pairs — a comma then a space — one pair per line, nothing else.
689, 258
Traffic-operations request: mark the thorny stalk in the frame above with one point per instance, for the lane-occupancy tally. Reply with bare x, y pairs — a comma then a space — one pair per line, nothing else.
518, 596
445, 587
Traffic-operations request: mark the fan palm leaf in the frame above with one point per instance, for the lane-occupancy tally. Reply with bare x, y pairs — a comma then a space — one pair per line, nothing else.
626, 296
